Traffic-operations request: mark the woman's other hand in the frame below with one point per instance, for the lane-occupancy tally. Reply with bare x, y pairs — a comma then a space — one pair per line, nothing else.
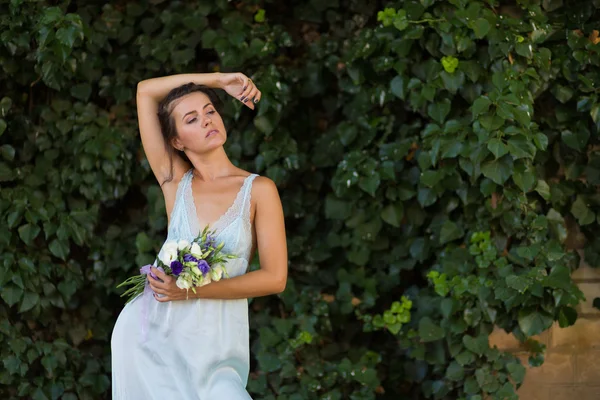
241, 87
167, 288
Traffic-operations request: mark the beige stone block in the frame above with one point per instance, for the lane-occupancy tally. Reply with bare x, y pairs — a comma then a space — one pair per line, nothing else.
588, 393
585, 273
591, 290
558, 368
563, 392
531, 390
588, 367
584, 334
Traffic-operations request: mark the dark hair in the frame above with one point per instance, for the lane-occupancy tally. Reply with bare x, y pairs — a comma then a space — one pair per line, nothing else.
167, 121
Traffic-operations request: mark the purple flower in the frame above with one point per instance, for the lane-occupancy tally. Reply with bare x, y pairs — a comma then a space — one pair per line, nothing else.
204, 267
176, 267
189, 257
210, 242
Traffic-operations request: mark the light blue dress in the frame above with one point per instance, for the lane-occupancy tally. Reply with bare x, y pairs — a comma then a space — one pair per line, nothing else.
192, 349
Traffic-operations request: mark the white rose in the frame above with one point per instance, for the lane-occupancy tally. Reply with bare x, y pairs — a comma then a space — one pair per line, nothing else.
168, 254
205, 280
196, 250
216, 273
170, 245
182, 283
182, 244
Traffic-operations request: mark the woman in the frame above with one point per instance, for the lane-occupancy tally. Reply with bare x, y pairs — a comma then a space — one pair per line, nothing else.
196, 346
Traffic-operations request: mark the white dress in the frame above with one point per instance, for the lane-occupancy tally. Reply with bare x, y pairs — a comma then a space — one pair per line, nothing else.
192, 349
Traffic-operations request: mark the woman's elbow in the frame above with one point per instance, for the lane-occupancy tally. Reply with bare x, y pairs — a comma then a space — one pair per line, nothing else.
280, 284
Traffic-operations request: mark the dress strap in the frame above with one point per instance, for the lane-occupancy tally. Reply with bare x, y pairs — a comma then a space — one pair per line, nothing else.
247, 196
179, 214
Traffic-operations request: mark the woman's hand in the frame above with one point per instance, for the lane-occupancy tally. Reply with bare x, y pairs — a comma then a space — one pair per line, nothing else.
167, 288
241, 87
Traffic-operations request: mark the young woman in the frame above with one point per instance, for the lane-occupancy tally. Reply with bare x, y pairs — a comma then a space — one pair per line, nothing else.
196, 346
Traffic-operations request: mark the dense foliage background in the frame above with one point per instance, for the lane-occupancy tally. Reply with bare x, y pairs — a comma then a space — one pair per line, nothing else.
438, 163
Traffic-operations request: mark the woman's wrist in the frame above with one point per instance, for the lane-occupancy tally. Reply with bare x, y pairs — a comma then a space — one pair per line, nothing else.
218, 80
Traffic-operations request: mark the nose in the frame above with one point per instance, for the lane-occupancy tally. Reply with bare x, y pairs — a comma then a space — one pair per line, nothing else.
207, 120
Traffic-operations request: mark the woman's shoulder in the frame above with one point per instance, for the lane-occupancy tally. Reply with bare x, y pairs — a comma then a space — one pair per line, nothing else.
262, 187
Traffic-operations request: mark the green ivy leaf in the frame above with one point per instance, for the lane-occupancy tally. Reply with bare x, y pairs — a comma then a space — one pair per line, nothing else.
393, 213
533, 322
260, 16
11, 294
543, 189
59, 248
518, 282
567, 316
455, 371
428, 331
439, 111
370, 183
478, 345
480, 106
450, 64
82, 91
497, 147
432, 177
450, 231
498, 170
580, 210
28, 233
524, 177
401, 20
576, 140
398, 87
30, 300
520, 147
336, 208
481, 27
540, 140
516, 371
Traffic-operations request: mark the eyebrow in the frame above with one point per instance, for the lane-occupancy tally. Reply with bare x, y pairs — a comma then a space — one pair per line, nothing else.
194, 111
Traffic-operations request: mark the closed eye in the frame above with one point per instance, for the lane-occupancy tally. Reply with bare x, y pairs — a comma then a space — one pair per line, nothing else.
191, 120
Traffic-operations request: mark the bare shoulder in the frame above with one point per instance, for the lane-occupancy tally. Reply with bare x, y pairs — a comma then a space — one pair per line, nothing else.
264, 188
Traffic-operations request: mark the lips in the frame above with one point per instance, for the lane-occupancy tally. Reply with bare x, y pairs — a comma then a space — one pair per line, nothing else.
212, 132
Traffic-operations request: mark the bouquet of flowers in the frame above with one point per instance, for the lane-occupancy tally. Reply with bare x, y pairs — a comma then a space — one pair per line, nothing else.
194, 264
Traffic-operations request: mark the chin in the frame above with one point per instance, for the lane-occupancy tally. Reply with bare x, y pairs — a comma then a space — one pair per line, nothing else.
212, 145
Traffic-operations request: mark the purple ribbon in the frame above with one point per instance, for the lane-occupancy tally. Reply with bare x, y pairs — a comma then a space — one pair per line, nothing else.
147, 297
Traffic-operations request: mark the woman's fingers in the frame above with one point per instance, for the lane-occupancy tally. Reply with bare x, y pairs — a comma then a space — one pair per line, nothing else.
249, 87
245, 81
257, 96
158, 287
162, 299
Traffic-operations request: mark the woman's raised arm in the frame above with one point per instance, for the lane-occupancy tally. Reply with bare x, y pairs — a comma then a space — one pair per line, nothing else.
151, 91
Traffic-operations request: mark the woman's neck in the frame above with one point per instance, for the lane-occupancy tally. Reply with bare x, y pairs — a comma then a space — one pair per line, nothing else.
211, 166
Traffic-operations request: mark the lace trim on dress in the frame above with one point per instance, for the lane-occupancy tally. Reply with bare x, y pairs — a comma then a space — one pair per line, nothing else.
234, 211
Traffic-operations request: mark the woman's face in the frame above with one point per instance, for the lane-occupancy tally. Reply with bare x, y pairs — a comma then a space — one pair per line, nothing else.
200, 128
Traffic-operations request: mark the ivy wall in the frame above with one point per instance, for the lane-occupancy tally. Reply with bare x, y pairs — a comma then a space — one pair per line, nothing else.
437, 161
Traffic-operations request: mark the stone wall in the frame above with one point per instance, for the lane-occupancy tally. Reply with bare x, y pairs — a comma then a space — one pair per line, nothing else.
571, 370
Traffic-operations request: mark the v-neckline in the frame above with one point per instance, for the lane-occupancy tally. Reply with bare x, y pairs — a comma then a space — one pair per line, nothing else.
213, 225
